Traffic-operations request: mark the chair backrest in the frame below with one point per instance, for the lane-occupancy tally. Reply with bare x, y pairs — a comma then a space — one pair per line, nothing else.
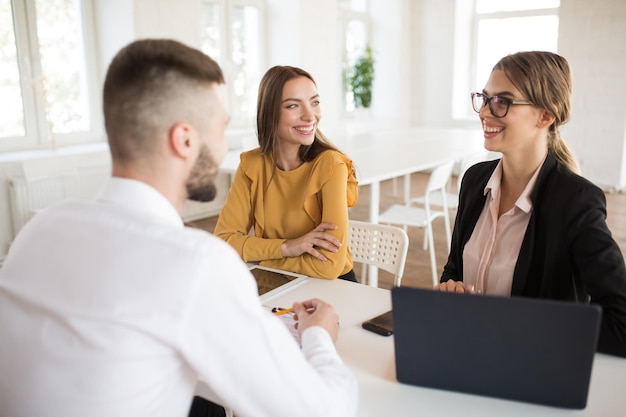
379, 245
439, 177
467, 162
438, 182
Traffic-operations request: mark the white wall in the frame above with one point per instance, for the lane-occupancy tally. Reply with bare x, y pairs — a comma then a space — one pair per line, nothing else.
391, 27
320, 52
305, 34
179, 20
109, 41
593, 39
432, 36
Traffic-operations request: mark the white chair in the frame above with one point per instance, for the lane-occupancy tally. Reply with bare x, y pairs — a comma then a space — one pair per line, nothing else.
422, 217
453, 198
378, 245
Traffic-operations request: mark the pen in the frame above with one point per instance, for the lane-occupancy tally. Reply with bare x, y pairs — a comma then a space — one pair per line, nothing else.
281, 311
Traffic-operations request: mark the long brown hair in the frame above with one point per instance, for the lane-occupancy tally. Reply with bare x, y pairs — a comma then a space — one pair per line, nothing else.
545, 79
268, 114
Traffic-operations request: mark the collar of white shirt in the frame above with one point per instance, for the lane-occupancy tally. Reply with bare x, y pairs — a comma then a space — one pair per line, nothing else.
139, 196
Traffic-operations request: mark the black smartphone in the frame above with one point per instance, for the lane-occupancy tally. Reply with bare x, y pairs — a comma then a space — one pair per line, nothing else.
382, 324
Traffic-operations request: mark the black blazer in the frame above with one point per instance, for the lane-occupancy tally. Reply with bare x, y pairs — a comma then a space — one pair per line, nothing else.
567, 253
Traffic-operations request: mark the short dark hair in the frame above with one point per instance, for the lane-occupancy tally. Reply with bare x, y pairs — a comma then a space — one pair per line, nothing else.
144, 82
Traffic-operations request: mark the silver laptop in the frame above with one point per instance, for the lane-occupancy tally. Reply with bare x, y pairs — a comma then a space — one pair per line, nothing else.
523, 349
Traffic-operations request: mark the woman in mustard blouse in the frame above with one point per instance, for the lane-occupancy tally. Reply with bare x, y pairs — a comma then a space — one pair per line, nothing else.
287, 207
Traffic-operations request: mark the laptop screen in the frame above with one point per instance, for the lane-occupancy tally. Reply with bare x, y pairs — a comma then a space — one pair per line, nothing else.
523, 349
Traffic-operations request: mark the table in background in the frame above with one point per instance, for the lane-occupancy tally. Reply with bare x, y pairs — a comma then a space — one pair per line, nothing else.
384, 155
371, 358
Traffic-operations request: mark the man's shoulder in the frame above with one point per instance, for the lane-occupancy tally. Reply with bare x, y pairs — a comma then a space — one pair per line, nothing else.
136, 225
198, 237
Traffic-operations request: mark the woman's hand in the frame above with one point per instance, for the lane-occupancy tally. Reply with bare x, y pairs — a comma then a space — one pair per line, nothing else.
311, 242
455, 286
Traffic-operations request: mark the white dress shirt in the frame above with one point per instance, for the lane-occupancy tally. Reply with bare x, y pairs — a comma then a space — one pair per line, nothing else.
112, 307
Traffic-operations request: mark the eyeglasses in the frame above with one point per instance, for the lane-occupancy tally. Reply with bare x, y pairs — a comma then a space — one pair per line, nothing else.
499, 106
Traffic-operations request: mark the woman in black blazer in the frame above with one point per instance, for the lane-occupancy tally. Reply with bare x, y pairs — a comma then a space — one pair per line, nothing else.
528, 224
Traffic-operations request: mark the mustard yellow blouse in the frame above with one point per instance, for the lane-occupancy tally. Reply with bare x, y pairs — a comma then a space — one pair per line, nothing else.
291, 205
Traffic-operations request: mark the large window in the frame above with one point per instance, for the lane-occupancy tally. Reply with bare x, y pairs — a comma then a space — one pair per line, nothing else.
46, 78
498, 28
355, 25
234, 35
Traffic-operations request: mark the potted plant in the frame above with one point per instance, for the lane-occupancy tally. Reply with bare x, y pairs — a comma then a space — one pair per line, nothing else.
360, 78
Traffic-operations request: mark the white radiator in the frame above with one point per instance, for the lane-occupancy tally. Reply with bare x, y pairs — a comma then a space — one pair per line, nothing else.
46, 181
30, 195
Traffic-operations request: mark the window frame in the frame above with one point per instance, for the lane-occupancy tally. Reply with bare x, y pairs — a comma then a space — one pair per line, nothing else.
346, 16
225, 44
37, 132
466, 50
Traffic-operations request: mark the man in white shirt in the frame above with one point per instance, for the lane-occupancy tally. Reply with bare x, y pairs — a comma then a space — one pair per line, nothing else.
112, 307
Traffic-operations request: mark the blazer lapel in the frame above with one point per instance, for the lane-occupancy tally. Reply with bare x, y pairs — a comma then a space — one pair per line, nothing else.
525, 257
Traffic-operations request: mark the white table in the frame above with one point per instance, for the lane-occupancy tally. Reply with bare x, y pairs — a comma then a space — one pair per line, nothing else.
390, 154
371, 357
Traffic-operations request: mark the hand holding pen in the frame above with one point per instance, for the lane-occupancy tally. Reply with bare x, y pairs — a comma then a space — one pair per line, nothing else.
316, 312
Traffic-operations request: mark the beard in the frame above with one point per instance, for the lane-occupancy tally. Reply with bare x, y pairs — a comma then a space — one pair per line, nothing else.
201, 182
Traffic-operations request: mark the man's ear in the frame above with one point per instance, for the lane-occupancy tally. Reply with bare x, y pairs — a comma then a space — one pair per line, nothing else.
181, 140
546, 119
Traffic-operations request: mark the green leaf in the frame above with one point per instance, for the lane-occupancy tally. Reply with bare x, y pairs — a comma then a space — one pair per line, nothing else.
360, 79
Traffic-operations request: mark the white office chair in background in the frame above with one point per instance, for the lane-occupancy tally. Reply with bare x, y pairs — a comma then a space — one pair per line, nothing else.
378, 245
422, 217
452, 198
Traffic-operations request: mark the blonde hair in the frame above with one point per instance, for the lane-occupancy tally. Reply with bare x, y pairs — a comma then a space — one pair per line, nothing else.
545, 79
